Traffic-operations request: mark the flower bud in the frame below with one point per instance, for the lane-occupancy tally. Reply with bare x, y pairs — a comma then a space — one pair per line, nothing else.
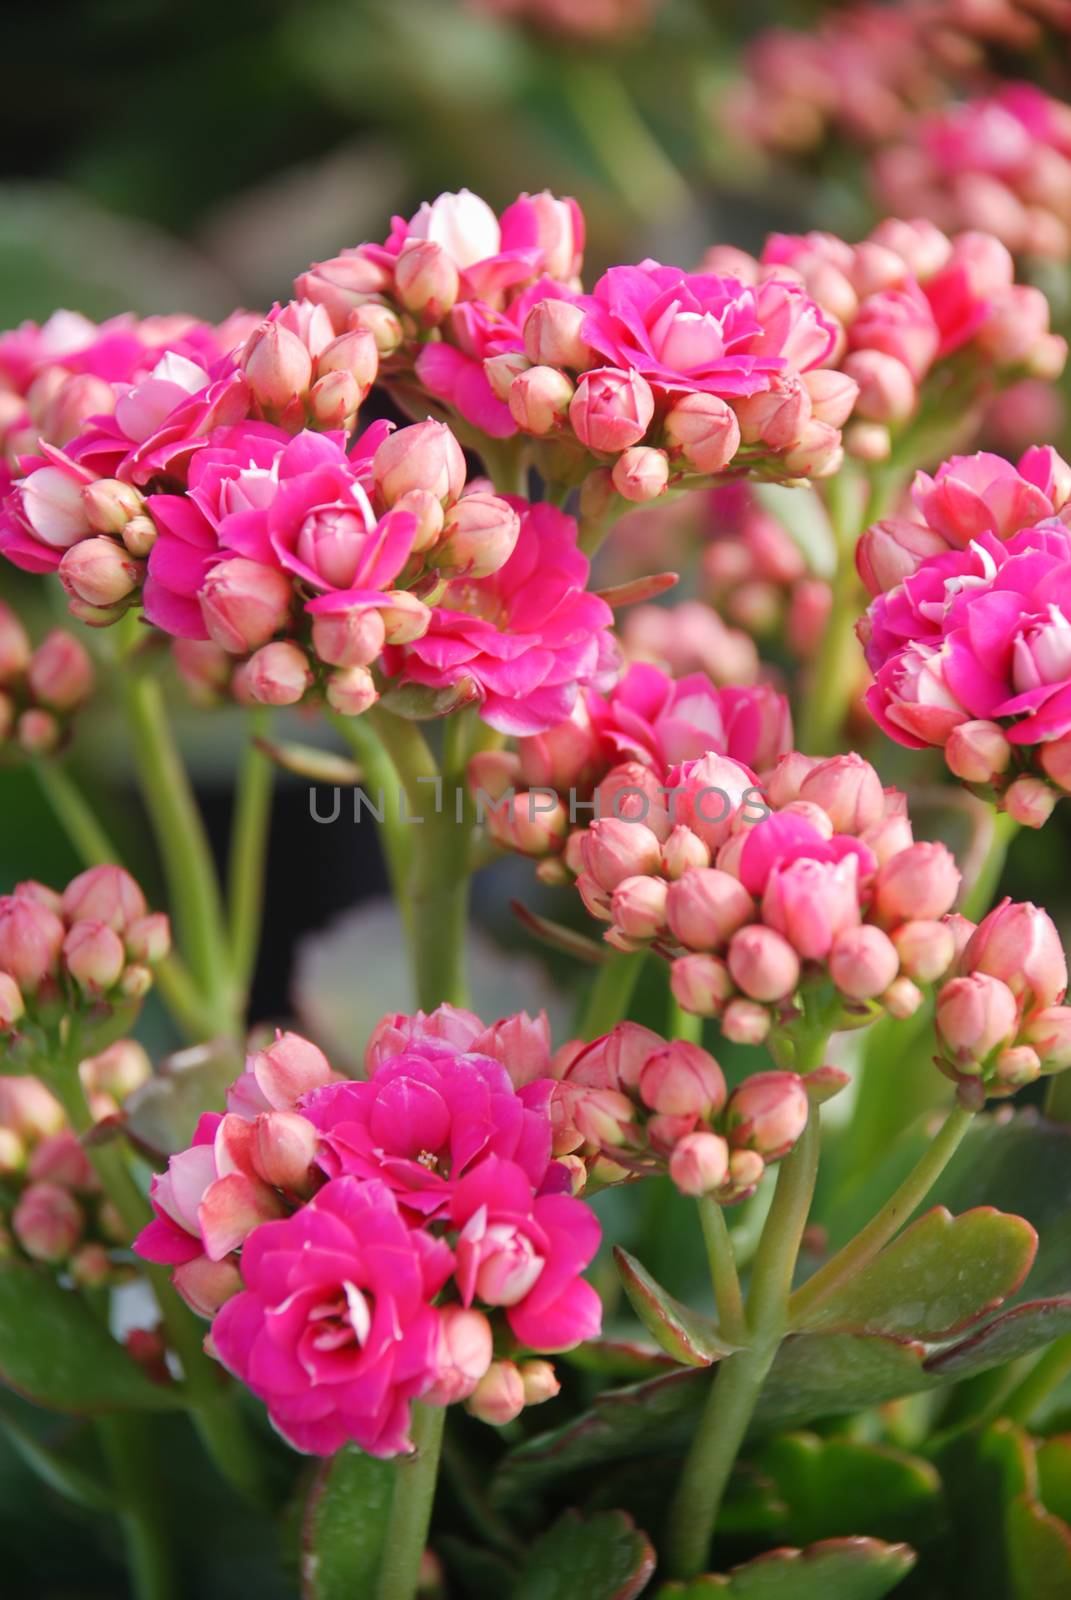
817, 453
776, 416
926, 949
110, 504
31, 939
60, 674
705, 907
499, 1395
94, 956
611, 409
887, 391
351, 638
787, 778
863, 962
243, 604
833, 395
1018, 943
104, 894
704, 431
763, 964
552, 336
91, 1266
12, 1006
1013, 1069
682, 851
382, 322
641, 474
283, 1151
38, 732
978, 752
423, 456
99, 571
1049, 1032
638, 906
902, 999
613, 849
426, 280
539, 399
60, 1158
745, 1022
891, 551
117, 1071
1055, 758
139, 536
701, 984
15, 648
277, 364
287, 1069
848, 790
976, 1015
334, 400
51, 502
406, 618
480, 534
351, 691
920, 883
1030, 801
767, 1113
699, 1163
682, 1080
48, 1222
463, 1355
540, 1382
279, 674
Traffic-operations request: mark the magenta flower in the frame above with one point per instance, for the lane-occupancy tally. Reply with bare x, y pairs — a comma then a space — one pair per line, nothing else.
522, 642
335, 1328
651, 718
520, 1043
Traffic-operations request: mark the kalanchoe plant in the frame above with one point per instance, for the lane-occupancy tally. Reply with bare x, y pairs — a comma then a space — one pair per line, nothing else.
374, 1263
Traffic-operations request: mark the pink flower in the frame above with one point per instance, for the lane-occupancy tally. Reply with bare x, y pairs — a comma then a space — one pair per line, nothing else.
335, 1328
650, 718
523, 641
983, 493
526, 1255
812, 901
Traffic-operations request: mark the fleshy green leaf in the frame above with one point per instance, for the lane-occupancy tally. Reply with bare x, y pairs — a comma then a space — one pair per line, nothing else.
983, 1472
828, 1374
1039, 1552
831, 1486
345, 1525
1014, 1333
691, 1339
64, 1476
836, 1569
940, 1275
55, 1352
1054, 1475
604, 1557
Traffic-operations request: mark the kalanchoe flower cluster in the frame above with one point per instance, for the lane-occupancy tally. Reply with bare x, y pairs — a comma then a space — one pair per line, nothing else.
358, 1243
1001, 1022
966, 635
40, 689
88, 950
920, 315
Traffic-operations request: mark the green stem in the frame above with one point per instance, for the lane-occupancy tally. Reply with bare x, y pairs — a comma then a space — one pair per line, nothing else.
728, 1297
248, 852
506, 461
134, 1464
76, 818
183, 845
739, 1378
887, 1222
978, 895
380, 782
410, 1511
610, 992
1053, 1367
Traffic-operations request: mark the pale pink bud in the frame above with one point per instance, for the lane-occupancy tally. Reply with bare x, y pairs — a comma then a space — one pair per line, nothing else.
682, 851
48, 1222
920, 882
682, 1080
552, 335
342, 284
1016, 323
745, 1022
29, 1108
104, 894
406, 618
117, 1071
763, 963
243, 604
887, 392
15, 647
480, 534
539, 400
91, 1266
51, 502
976, 1015
12, 1006
811, 902
848, 790
641, 474
501, 370
499, 1395
563, 757
868, 441
1030, 801
423, 456
60, 674
429, 514
787, 778
703, 429
926, 949
31, 938
699, 1163
139, 536
94, 956
638, 906
701, 984
978, 752
66, 412
816, 454
611, 409
596, 899
60, 1158
99, 571
891, 551
351, 691
833, 395
334, 400
382, 322
777, 416
277, 364
288, 1068
1055, 758
37, 732
863, 962
1018, 943
278, 674
352, 638
495, 772
1049, 1031
705, 907
614, 849
1013, 1069
353, 353
540, 1382
767, 1113
426, 280
463, 1354
283, 1150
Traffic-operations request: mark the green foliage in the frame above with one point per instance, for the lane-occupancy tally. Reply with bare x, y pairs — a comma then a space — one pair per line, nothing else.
345, 1525
838, 1569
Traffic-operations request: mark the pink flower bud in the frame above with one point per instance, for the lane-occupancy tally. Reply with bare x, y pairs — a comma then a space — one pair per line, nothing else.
745, 1022
104, 894
777, 416
1030, 801
1015, 325
705, 907
99, 571
94, 956
596, 899
817, 453
887, 391
423, 456
110, 504
351, 691
763, 964
540, 1382
12, 1006
978, 752
811, 903
926, 949
785, 781
638, 906
31, 939
480, 534
353, 353
429, 515
499, 1396
703, 429
60, 674
495, 772
848, 790
1016, 942
342, 284
699, 1163
808, 615
833, 395
117, 1071
539, 400
863, 962
641, 474
767, 1113
60, 1158
426, 280
47, 1222
277, 364
563, 758
682, 1080
283, 1150
37, 732
611, 409
614, 849
891, 551
280, 1074
1013, 1069
700, 984
244, 604
15, 648
1055, 758
1049, 1032
334, 400
976, 1015
552, 335
501, 370
920, 882
406, 618
51, 502
463, 1355
91, 1266
383, 323
682, 851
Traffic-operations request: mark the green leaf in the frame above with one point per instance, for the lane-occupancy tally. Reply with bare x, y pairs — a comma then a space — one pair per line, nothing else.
55, 1352
940, 1275
1039, 1552
828, 1374
604, 1557
1054, 1475
345, 1525
65, 1477
1014, 1333
691, 1339
983, 1472
836, 1569
620, 1358
478, 1572
831, 1486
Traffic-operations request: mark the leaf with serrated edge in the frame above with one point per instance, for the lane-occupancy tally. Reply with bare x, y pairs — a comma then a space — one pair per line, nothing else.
693, 1340
832, 1486
604, 1557
1039, 1552
940, 1275
345, 1525
1014, 1333
834, 1569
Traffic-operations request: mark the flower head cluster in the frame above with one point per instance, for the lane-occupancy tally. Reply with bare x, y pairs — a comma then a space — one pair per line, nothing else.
42, 688
356, 1242
966, 635
90, 949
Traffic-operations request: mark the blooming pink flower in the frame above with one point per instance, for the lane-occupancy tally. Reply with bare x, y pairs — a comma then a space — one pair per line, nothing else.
650, 718
335, 1328
983, 493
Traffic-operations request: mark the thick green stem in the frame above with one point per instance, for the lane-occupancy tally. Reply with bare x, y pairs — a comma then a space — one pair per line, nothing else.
610, 992
134, 1465
739, 1378
410, 1511
888, 1221
248, 853
728, 1297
